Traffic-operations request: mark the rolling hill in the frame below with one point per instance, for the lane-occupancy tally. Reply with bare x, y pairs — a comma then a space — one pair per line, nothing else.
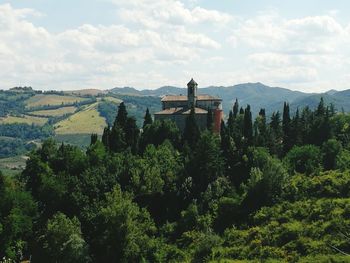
72, 116
257, 95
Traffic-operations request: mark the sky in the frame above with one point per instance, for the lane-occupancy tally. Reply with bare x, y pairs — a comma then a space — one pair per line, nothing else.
78, 44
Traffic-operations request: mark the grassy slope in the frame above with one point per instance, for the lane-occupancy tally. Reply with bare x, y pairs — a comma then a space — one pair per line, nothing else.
12, 165
55, 112
86, 121
112, 99
51, 99
24, 119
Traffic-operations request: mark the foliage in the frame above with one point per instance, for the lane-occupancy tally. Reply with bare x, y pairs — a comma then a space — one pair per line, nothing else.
156, 195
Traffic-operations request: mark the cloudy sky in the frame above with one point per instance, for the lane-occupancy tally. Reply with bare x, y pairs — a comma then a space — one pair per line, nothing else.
74, 44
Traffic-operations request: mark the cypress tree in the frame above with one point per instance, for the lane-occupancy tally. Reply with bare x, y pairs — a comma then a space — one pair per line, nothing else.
191, 132
117, 139
287, 143
235, 108
320, 108
147, 119
131, 134
106, 137
296, 129
93, 138
122, 116
248, 125
261, 129
210, 120
275, 135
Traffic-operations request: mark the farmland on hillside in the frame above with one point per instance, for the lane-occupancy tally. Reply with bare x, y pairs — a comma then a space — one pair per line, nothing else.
23, 119
86, 121
55, 112
51, 99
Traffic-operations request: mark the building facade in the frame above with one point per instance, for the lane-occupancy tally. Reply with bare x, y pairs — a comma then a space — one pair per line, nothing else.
178, 107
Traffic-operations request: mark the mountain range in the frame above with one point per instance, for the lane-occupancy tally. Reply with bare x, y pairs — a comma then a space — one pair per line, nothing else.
257, 95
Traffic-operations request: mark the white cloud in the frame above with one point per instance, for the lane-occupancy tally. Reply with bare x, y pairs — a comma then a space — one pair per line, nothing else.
162, 13
165, 42
32, 55
309, 51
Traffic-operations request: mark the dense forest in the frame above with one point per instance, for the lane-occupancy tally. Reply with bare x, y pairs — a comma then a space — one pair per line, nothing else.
270, 189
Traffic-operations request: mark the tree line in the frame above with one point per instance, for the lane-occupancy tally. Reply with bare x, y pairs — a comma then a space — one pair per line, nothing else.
266, 189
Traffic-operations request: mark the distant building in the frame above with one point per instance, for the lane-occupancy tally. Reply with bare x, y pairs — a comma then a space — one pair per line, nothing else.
178, 107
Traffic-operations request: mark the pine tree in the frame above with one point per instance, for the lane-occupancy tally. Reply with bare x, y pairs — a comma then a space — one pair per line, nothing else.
147, 119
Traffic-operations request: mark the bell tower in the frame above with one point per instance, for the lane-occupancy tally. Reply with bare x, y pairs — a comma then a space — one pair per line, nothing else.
192, 93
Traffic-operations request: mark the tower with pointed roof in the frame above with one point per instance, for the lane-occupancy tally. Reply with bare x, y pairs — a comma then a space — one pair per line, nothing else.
178, 107
192, 87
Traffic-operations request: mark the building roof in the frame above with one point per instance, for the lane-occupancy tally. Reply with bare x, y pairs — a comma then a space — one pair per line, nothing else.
180, 110
184, 98
192, 82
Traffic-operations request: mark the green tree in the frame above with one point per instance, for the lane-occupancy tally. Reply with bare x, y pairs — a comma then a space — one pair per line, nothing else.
206, 164
235, 108
304, 159
147, 119
158, 132
117, 141
131, 132
18, 214
248, 126
93, 139
330, 150
191, 132
62, 241
124, 232
106, 137
122, 116
286, 128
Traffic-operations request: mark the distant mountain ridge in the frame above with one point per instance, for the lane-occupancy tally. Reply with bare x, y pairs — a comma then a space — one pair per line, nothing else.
257, 95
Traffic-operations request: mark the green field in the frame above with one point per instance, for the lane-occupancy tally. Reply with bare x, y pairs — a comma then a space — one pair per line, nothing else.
51, 99
112, 99
86, 121
80, 140
40, 121
55, 112
12, 165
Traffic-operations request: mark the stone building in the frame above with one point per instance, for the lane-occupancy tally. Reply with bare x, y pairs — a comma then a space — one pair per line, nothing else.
178, 107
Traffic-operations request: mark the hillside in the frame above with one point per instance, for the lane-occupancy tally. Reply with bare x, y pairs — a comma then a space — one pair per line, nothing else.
28, 116
86, 121
72, 116
256, 94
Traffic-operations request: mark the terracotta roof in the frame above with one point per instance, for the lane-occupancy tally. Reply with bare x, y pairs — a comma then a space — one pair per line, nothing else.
174, 98
171, 111
184, 98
